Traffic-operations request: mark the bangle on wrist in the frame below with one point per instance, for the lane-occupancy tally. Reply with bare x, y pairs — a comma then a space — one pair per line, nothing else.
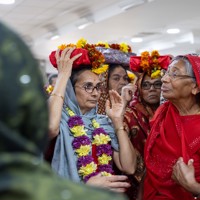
120, 128
57, 95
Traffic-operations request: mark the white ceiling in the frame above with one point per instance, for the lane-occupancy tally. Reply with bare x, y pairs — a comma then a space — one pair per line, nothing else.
35, 20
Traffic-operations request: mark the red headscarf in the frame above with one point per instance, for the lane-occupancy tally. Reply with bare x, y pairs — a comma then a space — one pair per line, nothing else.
195, 62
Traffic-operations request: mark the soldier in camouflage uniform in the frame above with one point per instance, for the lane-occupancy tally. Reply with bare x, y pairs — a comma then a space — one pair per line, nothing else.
23, 132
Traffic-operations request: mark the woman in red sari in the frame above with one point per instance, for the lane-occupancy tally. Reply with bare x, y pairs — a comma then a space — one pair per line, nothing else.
175, 131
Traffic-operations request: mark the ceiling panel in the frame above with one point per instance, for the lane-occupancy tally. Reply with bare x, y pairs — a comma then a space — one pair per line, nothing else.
37, 20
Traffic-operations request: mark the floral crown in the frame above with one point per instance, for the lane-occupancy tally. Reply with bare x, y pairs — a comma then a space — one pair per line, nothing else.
90, 56
151, 64
132, 77
121, 47
115, 53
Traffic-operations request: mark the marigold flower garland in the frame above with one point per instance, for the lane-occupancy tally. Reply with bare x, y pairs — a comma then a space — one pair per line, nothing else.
97, 59
150, 64
83, 145
122, 46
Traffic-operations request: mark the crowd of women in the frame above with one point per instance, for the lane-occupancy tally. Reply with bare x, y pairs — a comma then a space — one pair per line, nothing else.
107, 126
153, 145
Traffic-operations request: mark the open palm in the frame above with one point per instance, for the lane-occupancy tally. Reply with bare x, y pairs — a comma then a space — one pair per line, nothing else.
114, 107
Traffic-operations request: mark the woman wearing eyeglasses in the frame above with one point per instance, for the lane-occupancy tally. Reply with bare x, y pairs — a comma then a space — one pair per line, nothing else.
87, 143
143, 106
174, 140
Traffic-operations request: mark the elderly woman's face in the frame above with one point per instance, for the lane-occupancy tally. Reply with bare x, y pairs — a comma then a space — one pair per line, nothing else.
150, 90
177, 84
87, 89
118, 79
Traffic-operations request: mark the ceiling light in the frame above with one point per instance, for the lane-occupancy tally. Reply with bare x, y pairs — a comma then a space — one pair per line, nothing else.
136, 39
129, 4
84, 25
54, 37
7, 1
173, 30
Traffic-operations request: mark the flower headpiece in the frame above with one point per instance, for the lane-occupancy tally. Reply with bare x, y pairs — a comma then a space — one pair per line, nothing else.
122, 46
90, 56
132, 77
151, 64
115, 53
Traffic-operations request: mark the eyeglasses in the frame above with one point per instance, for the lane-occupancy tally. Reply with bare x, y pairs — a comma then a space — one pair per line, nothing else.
147, 85
89, 88
174, 75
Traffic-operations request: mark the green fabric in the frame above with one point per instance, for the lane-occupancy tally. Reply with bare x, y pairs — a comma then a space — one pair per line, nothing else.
23, 110
23, 132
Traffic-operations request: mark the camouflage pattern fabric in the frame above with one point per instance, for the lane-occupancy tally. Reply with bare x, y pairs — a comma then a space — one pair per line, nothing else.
23, 132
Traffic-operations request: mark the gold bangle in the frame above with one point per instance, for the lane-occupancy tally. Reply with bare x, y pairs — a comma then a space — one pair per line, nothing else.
120, 128
57, 95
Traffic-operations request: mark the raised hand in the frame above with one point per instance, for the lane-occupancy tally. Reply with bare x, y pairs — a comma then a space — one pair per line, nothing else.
128, 92
114, 107
64, 61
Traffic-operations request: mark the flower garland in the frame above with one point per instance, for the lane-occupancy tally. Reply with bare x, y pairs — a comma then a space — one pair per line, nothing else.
131, 76
82, 146
96, 58
150, 64
122, 46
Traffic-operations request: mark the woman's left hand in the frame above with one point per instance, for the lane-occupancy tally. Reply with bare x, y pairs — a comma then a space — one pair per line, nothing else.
114, 107
184, 175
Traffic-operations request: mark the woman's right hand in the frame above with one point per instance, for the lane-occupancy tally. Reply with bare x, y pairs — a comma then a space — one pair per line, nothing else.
117, 183
64, 62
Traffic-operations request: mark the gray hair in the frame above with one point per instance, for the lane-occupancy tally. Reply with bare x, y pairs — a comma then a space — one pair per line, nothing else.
189, 71
187, 65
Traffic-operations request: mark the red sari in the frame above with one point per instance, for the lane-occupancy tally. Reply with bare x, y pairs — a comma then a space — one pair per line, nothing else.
172, 136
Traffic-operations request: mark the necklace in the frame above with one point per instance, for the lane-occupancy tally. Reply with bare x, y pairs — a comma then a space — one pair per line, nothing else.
82, 145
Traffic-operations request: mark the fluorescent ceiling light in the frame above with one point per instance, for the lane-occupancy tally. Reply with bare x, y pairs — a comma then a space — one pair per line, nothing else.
7, 1
54, 37
84, 25
136, 39
129, 4
173, 30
